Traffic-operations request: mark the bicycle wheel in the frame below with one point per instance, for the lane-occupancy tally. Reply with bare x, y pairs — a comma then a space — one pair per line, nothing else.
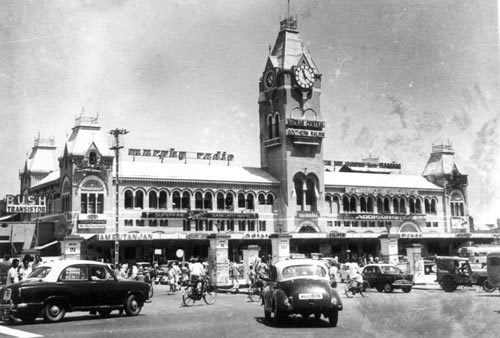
364, 290
348, 291
210, 294
187, 298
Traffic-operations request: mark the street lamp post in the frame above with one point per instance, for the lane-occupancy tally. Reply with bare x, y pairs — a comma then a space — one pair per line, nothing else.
117, 133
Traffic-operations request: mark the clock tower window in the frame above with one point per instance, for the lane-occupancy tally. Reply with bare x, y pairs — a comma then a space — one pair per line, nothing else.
270, 126
276, 125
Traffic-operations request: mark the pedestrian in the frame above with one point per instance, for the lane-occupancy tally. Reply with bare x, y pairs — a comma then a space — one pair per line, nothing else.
12, 275
25, 269
185, 273
37, 262
235, 275
333, 274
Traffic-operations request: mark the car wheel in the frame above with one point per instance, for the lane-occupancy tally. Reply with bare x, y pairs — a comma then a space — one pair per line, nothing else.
104, 313
29, 317
488, 287
406, 289
448, 284
132, 306
53, 312
333, 318
387, 288
380, 287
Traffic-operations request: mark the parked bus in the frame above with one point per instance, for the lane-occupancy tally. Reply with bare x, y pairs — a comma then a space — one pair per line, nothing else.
493, 267
477, 253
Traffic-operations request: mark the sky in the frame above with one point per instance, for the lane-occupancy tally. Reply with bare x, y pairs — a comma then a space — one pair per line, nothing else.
398, 77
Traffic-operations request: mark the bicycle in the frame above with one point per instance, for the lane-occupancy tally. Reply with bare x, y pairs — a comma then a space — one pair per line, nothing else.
255, 290
353, 287
191, 294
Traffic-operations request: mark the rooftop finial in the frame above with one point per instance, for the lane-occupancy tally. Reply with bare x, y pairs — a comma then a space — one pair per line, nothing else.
289, 22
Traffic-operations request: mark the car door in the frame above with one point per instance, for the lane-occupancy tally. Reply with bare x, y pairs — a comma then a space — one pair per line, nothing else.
73, 284
104, 285
369, 274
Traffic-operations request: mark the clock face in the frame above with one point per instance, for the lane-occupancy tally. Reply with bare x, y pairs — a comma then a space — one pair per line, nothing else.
304, 75
270, 78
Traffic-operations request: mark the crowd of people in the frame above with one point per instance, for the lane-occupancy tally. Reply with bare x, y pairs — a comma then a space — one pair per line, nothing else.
16, 271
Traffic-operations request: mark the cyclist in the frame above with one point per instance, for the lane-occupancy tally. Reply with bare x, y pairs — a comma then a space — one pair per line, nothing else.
355, 278
197, 271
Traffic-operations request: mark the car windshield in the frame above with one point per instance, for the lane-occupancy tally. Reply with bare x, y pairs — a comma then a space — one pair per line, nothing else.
303, 270
389, 269
40, 273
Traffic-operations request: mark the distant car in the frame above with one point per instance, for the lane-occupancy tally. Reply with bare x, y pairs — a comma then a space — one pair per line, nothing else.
55, 288
453, 271
300, 286
346, 269
387, 277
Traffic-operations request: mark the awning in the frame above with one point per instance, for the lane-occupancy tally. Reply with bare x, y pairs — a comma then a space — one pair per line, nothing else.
4, 218
45, 245
86, 236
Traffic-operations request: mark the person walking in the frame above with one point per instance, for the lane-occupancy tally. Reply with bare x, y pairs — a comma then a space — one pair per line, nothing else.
235, 275
12, 275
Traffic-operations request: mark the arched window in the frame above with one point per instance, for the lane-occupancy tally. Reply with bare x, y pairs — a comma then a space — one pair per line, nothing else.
369, 206
277, 125
352, 204
362, 204
186, 201
418, 206
395, 205
412, 205
270, 126
402, 206
229, 201
129, 199
457, 205
198, 200
153, 200
207, 202
299, 190
380, 205
312, 193
433, 206
139, 199
241, 201
387, 205
163, 200
176, 200
427, 206
261, 199
92, 159
335, 205
270, 199
328, 200
220, 201
250, 202
345, 204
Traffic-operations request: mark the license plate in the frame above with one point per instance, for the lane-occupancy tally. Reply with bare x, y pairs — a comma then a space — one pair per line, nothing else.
310, 296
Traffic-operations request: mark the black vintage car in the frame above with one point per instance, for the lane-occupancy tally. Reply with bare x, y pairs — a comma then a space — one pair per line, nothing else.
55, 288
387, 277
300, 286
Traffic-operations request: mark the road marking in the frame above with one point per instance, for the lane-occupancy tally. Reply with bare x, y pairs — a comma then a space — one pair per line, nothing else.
17, 333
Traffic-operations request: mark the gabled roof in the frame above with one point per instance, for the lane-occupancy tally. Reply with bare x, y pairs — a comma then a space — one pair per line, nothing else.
82, 138
50, 178
376, 180
195, 172
289, 50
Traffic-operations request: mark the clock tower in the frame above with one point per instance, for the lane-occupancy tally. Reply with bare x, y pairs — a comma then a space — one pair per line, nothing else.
292, 130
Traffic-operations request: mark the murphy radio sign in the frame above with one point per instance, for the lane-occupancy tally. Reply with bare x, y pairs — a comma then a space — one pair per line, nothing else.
25, 204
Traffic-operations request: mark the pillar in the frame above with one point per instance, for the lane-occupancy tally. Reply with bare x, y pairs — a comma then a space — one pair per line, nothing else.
218, 260
280, 244
389, 248
414, 254
71, 247
249, 256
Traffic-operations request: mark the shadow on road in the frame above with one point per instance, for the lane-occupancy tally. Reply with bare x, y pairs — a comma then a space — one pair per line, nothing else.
73, 319
293, 322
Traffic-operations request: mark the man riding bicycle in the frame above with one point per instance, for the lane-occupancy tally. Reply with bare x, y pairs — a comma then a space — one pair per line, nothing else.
355, 278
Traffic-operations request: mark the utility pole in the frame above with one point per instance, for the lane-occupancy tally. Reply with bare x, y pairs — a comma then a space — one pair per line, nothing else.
117, 145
